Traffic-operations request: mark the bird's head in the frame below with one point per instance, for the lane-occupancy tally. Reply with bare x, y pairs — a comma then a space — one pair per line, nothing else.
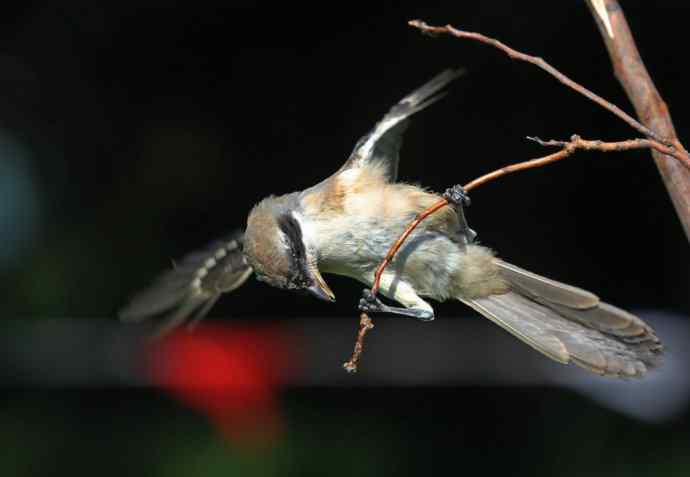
276, 248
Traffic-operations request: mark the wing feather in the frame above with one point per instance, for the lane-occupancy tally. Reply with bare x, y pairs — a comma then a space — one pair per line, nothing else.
383, 143
193, 285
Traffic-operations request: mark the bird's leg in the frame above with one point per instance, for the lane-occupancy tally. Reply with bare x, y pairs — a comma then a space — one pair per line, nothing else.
370, 304
457, 196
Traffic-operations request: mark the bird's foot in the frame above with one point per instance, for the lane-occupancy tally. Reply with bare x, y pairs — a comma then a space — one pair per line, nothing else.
370, 304
456, 195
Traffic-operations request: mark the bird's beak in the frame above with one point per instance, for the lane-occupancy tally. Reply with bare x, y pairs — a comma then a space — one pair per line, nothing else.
320, 289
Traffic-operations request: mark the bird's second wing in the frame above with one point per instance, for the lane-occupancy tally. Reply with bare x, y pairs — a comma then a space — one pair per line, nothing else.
189, 290
383, 143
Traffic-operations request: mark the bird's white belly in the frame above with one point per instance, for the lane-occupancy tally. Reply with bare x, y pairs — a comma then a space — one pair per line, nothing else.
427, 261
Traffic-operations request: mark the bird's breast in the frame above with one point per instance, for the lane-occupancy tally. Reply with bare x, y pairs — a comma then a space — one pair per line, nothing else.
351, 245
355, 239
355, 248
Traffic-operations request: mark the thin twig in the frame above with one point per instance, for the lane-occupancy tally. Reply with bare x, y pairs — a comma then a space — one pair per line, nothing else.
396, 246
365, 324
679, 153
596, 145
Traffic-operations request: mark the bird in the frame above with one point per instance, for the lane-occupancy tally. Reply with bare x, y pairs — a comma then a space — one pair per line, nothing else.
345, 225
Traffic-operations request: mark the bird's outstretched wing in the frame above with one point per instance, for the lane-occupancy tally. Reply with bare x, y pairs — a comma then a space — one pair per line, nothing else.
189, 290
383, 143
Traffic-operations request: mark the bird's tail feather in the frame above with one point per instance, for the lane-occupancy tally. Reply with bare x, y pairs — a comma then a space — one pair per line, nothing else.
569, 324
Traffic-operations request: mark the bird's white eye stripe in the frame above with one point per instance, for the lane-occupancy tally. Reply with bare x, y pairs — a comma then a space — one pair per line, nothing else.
230, 246
220, 254
305, 227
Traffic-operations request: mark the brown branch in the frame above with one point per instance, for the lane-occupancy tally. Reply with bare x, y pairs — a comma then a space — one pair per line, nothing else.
596, 145
365, 324
650, 107
675, 149
567, 149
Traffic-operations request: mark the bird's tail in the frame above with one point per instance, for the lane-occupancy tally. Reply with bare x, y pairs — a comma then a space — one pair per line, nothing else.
569, 324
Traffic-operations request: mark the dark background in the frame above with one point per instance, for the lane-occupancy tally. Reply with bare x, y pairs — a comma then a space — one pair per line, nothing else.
129, 136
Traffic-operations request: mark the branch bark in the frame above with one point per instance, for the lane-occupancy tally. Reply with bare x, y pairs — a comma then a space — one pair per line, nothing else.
365, 324
650, 107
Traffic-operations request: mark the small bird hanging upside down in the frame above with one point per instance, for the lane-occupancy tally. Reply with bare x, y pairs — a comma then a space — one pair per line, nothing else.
346, 224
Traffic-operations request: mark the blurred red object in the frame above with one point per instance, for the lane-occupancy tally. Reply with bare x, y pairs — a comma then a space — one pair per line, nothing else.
230, 373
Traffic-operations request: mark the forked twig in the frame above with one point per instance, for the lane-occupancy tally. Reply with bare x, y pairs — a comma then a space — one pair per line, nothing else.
672, 148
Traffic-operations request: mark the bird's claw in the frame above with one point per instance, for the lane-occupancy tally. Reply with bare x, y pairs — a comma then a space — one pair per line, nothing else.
456, 195
369, 303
